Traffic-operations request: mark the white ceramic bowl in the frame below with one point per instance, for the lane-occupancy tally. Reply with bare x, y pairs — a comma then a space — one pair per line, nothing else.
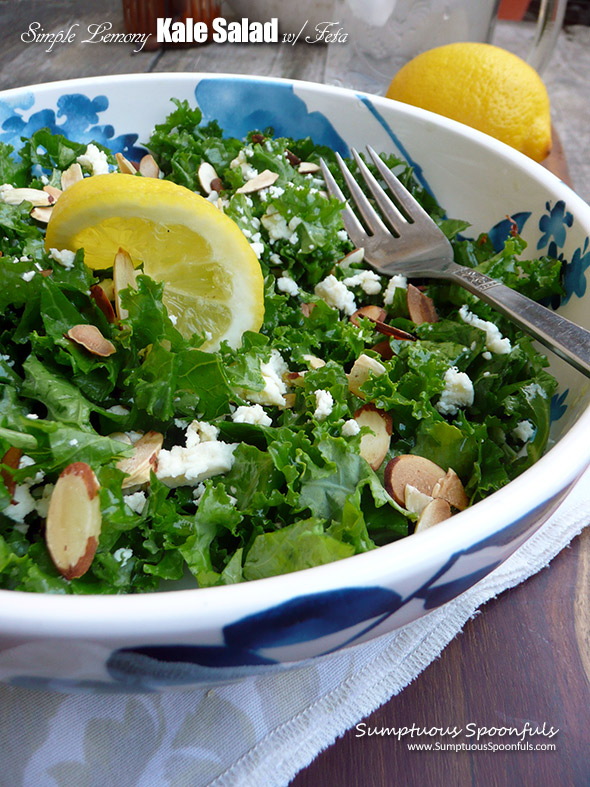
154, 641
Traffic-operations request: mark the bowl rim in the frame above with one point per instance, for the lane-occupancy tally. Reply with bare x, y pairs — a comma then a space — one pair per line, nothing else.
134, 615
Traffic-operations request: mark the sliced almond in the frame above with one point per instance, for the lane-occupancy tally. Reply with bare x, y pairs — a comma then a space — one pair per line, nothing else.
123, 277
395, 333
125, 166
356, 255
435, 512
384, 350
418, 471
363, 368
452, 490
53, 191
308, 168
420, 306
121, 437
37, 197
374, 313
71, 175
74, 520
290, 399
41, 214
143, 461
89, 337
207, 176
261, 181
99, 296
108, 287
415, 500
314, 362
294, 378
374, 447
307, 308
11, 459
148, 167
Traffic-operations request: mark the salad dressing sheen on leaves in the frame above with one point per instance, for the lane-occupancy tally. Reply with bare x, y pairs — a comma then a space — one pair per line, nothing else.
260, 469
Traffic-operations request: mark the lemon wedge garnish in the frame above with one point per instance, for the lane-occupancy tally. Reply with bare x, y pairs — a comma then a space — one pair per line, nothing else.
212, 279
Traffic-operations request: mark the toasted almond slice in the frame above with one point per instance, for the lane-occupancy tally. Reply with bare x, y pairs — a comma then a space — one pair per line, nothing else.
53, 191
74, 520
148, 167
123, 277
207, 175
356, 255
308, 168
420, 306
11, 459
294, 378
415, 500
290, 399
396, 333
37, 197
436, 511
307, 308
261, 181
314, 361
121, 437
452, 490
108, 287
384, 350
143, 461
71, 175
125, 166
99, 296
418, 471
363, 368
375, 313
41, 214
374, 447
89, 337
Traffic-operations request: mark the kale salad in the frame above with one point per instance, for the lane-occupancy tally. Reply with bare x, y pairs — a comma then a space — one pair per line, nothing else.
278, 454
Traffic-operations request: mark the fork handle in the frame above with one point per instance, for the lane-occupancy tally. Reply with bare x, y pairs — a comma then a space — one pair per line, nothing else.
563, 337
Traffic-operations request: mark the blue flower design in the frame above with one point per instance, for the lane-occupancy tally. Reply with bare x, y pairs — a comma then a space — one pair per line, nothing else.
553, 225
276, 106
502, 229
558, 407
574, 277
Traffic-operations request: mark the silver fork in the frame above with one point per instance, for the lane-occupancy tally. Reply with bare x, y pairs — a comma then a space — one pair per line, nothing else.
421, 249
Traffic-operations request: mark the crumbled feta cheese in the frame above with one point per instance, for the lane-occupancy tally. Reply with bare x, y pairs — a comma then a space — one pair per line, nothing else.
524, 431
275, 224
342, 235
22, 504
275, 387
32, 416
275, 259
240, 161
24, 258
288, 285
136, 501
350, 428
42, 503
4, 189
458, 392
27, 461
494, 341
257, 248
118, 409
294, 223
368, 281
65, 257
324, 404
336, 294
397, 282
122, 555
28, 275
253, 414
95, 160
487, 356
202, 457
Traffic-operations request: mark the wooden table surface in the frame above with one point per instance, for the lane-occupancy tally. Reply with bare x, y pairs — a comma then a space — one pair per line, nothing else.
526, 657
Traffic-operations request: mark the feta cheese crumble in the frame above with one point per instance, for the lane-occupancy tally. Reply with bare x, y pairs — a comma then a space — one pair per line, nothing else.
136, 501
524, 431
324, 402
458, 392
65, 257
336, 294
397, 282
495, 343
253, 414
94, 160
350, 428
368, 281
203, 456
275, 388
287, 285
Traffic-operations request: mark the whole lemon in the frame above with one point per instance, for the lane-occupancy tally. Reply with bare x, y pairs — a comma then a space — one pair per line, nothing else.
483, 86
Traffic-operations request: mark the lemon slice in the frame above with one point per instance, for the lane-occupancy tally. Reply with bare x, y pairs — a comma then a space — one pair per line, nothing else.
212, 279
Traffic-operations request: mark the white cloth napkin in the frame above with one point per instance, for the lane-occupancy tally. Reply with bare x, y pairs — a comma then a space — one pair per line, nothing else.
260, 731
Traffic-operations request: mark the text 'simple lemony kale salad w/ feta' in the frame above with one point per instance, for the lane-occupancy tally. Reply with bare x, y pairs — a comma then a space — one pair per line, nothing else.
136, 452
